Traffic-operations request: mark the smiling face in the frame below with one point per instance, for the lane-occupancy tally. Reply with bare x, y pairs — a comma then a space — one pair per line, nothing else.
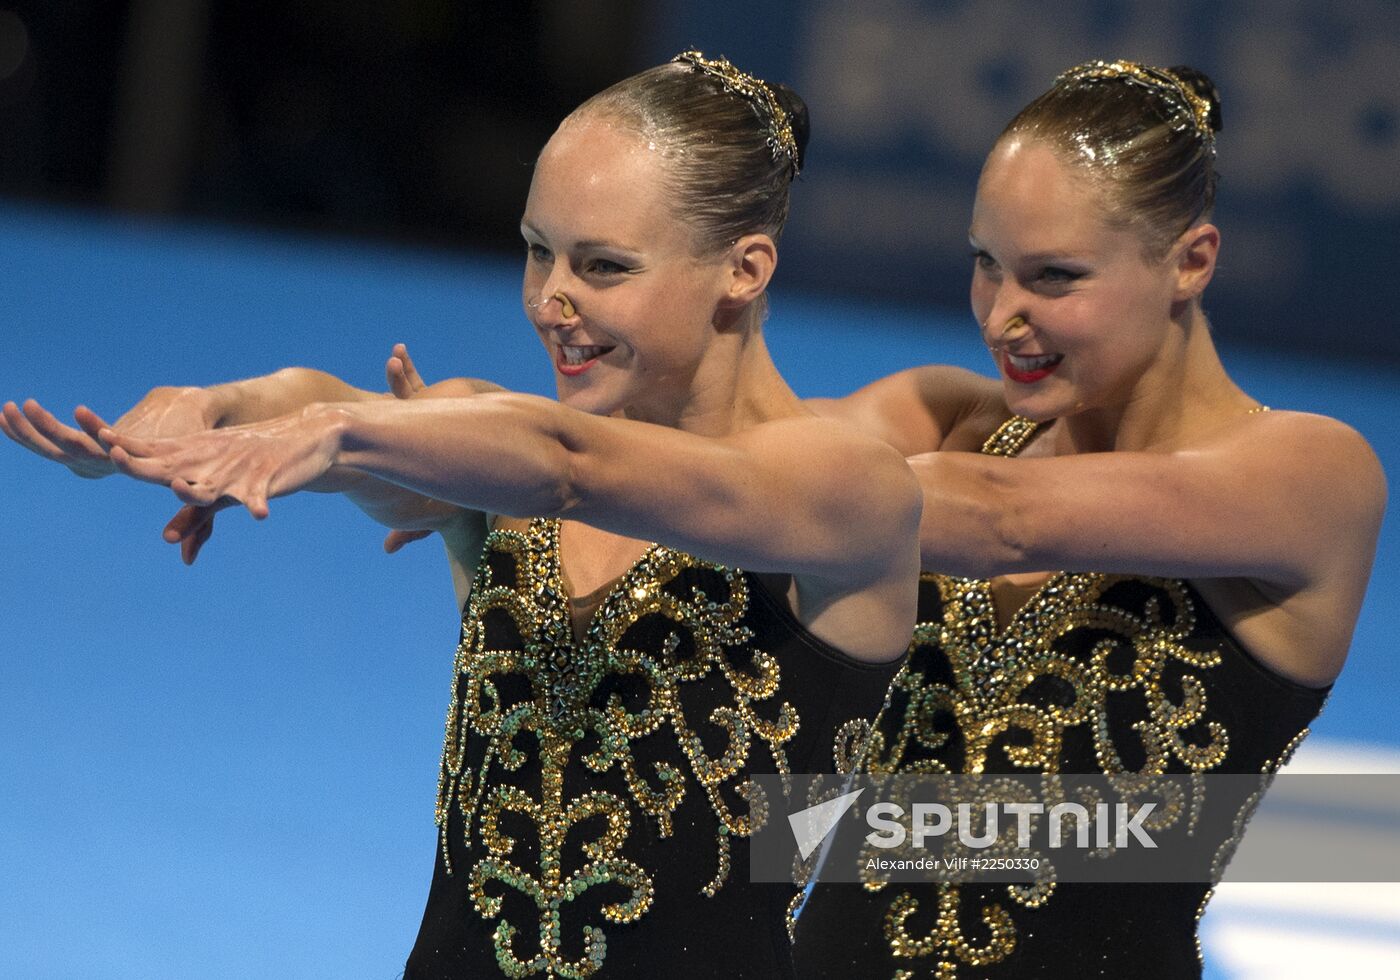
601, 231
1095, 308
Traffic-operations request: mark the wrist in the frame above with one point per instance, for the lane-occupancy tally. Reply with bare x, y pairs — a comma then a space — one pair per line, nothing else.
332, 421
219, 403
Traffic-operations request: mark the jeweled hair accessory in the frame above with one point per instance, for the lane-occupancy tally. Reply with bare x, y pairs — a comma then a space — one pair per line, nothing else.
1158, 79
781, 138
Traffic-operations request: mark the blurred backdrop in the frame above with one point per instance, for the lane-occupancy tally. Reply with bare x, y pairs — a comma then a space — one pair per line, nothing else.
417, 119
229, 770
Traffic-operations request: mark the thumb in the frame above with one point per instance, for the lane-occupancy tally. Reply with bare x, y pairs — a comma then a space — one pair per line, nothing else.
395, 540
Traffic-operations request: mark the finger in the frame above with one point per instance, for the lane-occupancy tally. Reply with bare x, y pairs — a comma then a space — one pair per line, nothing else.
194, 494
132, 445
398, 380
23, 432
138, 468
190, 519
395, 540
189, 547
73, 442
403, 373
410, 369
257, 506
5, 426
90, 421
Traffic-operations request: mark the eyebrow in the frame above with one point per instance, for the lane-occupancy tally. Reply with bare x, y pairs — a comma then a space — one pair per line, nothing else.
1048, 256
1037, 258
587, 243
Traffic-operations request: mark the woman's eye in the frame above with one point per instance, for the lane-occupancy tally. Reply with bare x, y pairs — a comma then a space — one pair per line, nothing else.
983, 259
607, 267
1054, 274
537, 252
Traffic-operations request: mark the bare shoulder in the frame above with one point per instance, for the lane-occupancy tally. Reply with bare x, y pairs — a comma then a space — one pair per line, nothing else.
1319, 479
1310, 450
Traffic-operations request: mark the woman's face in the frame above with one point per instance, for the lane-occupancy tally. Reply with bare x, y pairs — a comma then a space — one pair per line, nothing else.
1096, 308
600, 229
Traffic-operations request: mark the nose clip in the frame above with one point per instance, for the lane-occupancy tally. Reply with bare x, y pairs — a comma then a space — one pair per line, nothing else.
566, 306
1014, 330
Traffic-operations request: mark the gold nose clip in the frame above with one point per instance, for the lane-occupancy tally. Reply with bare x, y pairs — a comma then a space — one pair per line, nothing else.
1015, 329
565, 305
1017, 323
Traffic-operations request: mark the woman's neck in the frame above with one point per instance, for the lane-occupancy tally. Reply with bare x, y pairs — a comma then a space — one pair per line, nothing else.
737, 386
1184, 393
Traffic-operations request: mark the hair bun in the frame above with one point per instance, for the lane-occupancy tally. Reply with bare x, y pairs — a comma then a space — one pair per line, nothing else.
798, 118
1202, 85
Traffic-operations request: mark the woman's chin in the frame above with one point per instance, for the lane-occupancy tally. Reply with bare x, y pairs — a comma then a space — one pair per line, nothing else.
590, 399
1037, 406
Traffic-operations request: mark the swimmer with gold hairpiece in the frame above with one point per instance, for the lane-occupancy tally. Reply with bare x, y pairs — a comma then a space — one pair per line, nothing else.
1144, 570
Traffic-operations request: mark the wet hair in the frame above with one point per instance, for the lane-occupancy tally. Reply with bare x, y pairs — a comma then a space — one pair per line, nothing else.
1145, 135
729, 174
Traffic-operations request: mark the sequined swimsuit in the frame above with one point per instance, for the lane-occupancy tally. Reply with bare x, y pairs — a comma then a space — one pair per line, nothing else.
594, 803
1095, 673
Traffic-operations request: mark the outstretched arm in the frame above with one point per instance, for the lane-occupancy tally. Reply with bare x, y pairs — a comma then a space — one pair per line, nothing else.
170, 411
777, 497
174, 411
764, 498
1283, 498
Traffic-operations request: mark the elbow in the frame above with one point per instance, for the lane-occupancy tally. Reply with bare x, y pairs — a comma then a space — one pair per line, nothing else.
563, 474
1011, 544
559, 493
973, 524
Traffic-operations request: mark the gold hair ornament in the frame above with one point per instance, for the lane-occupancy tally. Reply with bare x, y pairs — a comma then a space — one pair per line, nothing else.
781, 139
1158, 79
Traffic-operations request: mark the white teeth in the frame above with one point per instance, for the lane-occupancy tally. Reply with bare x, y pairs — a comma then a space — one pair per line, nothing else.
1033, 363
578, 355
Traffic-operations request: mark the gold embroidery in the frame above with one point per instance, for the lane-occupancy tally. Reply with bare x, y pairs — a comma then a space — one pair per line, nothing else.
568, 704
1011, 436
993, 670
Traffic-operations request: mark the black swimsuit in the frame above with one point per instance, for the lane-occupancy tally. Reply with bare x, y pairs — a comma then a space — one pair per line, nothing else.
594, 801
1095, 673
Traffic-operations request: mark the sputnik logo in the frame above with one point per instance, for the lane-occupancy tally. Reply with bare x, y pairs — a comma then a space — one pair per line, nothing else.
811, 826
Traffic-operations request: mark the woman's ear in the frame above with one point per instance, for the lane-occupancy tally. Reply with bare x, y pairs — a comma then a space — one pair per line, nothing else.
1196, 251
748, 267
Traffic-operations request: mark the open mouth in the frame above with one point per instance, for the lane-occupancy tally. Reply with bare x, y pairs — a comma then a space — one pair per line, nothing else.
574, 359
1028, 368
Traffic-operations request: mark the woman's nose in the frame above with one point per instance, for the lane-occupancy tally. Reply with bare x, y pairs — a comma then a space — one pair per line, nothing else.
998, 333
566, 305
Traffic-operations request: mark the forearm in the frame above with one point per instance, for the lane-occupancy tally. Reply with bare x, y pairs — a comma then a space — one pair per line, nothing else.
280, 393
968, 526
503, 453
294, 388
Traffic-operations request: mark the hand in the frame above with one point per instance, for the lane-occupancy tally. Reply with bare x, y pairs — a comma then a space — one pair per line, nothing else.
404, 379
405, 382
192, 526
247, 464
164, 411
36, 429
